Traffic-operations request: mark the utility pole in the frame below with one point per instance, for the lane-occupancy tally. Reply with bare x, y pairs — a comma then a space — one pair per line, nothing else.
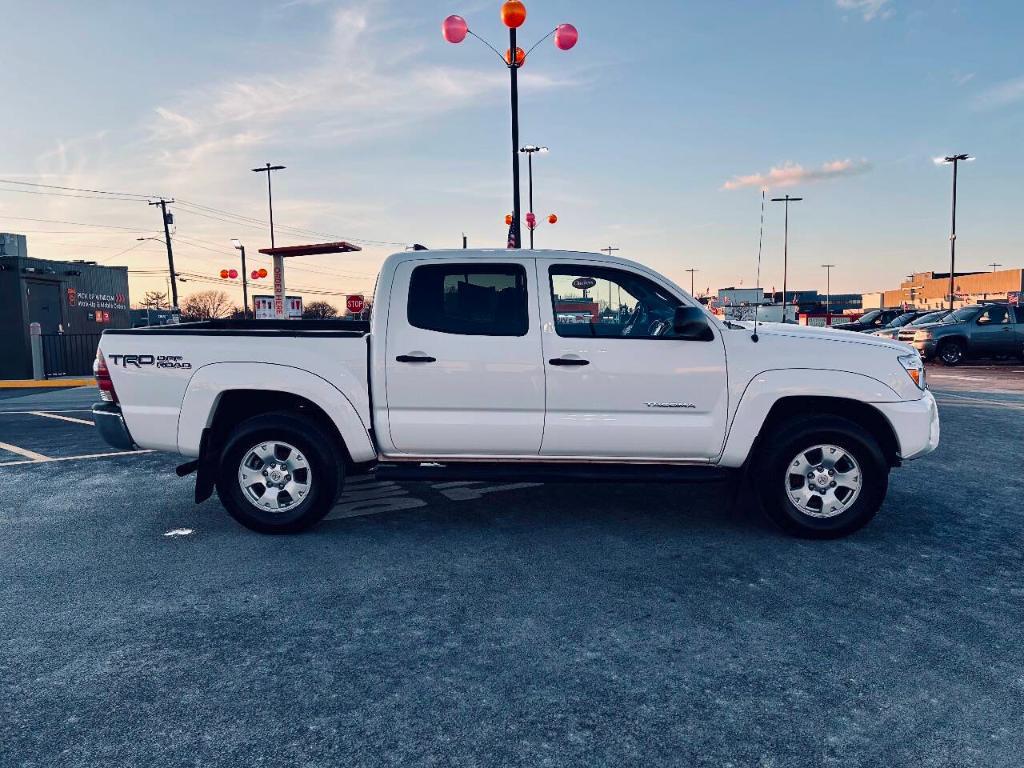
955, 160
167, 219
993, 265
465, 241
279, 289
691, 271
609, 250
828, 293
529, 151
785, 250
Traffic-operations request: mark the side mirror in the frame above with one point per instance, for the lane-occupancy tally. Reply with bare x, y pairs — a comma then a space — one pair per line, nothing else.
691, 324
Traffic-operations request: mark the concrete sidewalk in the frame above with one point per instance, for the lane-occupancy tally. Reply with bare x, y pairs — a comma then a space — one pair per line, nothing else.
58, 383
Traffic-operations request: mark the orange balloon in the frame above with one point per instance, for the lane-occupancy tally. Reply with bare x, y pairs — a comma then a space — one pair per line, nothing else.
263, 273
552, 219
224, 274
508, 220
520, 57
513, 14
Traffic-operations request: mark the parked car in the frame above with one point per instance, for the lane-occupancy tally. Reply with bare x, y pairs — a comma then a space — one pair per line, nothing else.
873, 320
467, 370
892, 330
978, 330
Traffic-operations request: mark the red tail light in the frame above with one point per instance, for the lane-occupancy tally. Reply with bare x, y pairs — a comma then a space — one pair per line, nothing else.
103, 380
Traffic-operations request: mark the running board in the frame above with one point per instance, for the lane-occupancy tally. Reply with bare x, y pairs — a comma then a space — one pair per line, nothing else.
551, 472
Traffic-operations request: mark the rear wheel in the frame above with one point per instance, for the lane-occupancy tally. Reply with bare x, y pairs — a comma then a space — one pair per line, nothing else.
822, 477
952, 352
279, 473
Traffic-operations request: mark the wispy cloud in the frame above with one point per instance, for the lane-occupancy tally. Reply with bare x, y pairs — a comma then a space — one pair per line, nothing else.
962, 78
1001, 94
791, 174
868, 9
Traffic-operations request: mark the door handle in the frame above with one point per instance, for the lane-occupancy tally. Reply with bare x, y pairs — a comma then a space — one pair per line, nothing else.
568, 361
415, 359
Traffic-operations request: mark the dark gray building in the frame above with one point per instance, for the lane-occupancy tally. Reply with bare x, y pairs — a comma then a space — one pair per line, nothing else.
73, 302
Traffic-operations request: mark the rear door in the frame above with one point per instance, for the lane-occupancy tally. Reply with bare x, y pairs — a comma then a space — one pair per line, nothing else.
618, 384
464, 374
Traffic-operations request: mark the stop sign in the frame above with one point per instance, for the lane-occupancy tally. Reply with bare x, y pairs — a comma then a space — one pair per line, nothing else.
355, 304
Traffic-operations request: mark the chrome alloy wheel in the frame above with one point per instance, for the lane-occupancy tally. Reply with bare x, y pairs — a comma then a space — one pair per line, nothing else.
275, 476
823, 481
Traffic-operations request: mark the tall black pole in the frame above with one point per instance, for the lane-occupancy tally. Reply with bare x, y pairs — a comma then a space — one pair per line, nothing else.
514, 70
170, 252
952, 240
270, 203
245, 287
529, 162
785, 251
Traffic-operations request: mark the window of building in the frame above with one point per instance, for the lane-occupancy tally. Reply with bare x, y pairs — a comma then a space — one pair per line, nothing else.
469, 299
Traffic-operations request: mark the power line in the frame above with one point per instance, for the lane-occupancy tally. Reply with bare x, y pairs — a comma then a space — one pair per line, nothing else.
137, 230
78, 189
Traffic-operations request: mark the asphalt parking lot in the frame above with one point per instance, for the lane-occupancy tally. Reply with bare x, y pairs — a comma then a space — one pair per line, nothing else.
510, 624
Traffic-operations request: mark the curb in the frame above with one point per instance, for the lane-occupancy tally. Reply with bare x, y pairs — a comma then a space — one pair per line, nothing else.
46, 383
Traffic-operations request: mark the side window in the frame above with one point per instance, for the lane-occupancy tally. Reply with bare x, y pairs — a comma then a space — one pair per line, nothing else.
610, 303
469, 299
994, 315
1020, 314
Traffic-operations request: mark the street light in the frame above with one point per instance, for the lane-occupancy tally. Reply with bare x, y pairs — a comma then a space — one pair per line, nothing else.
785, 250
955, 160
245, 277
530, 150
278, 260
691, 271
455, 29
828, 292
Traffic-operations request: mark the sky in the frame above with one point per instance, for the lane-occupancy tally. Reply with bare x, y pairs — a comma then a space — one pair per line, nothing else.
664, 125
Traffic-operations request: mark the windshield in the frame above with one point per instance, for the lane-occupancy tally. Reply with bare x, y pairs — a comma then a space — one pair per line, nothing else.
961, 315
901, 320
931, 317
870, 316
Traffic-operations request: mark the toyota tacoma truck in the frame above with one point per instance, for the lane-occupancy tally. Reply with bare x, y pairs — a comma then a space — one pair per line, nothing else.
555, 365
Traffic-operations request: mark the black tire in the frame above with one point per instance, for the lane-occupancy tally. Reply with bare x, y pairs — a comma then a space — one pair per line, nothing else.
951, 352
779, 449
326, 468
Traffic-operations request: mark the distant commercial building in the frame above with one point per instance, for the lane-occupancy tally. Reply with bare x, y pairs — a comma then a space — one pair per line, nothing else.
813, 302
73, 302
930, 290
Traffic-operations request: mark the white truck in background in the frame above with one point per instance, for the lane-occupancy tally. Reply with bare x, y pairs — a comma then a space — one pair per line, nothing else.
558, 365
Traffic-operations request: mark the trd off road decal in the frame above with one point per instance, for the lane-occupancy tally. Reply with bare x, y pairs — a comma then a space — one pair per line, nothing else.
159, 361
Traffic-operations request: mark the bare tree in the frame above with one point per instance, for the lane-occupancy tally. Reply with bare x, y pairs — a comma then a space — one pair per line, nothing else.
319, 310
207, 305
154, 300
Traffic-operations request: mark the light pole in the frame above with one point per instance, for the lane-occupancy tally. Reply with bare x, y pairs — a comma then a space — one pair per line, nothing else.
993, 265
691, 271
245, 278
785, 250
530, 150
278, 260
955, 160
454, 29
828, 292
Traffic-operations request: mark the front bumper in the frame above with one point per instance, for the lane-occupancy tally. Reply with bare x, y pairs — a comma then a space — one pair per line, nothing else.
110, 422
925, 348
916, 424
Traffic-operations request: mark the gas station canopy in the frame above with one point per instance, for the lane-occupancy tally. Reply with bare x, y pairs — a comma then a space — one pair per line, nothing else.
287, 251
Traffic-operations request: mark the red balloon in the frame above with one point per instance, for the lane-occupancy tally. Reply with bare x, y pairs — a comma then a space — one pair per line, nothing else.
454, 29
566, 36
531, 220
224, 274
233, 274
513, 14
552, 219
255, 275
263, 273
520, 57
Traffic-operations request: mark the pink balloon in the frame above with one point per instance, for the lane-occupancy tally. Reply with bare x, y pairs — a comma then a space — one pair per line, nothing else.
566, 36
454, 29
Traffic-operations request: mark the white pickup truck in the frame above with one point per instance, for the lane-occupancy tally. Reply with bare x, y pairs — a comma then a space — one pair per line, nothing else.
559, 365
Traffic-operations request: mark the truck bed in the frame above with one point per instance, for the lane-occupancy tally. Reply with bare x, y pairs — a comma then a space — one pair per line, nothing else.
333, 328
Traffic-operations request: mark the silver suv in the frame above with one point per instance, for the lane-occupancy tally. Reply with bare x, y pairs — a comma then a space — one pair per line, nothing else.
979, 330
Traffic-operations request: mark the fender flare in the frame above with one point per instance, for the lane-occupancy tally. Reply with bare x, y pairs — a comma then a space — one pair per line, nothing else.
765, 389
210, 382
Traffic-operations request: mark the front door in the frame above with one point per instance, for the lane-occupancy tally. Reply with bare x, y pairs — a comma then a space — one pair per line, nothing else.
993, 332
619, 385
44, 305
464, 370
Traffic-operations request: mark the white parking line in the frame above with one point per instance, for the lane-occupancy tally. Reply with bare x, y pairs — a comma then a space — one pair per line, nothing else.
73, 420
46, 460
30, 413
22, 452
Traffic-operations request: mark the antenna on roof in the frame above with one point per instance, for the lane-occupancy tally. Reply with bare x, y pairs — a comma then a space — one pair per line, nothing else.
760, 244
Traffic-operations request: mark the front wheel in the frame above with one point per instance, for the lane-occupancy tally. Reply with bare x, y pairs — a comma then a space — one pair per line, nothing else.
952, 352
279, 473
822, 477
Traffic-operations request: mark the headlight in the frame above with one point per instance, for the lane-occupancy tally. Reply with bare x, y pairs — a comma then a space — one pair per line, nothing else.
914, 367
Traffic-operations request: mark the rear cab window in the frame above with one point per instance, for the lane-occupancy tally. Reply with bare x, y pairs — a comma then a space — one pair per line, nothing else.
470, 299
